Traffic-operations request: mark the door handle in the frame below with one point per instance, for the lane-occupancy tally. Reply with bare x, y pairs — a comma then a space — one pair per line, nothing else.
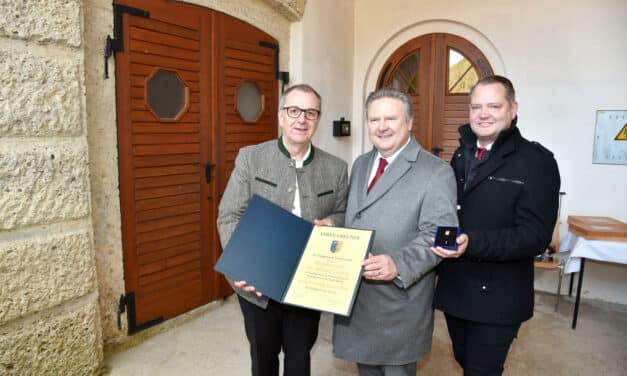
436, 151
208, 167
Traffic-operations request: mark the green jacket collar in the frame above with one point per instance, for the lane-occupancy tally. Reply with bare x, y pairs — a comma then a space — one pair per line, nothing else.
284, 151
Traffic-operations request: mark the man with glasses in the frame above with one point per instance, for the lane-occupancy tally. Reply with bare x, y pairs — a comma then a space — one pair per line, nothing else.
507, 191
310, 183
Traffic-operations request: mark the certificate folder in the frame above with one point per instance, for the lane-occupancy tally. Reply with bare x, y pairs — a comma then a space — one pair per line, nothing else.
292, 261
265, 247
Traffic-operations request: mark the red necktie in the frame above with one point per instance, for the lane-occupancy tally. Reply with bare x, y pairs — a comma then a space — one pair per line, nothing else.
480, 152
382, 164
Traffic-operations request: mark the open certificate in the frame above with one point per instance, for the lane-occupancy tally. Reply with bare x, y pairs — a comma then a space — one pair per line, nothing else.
292, 261
329, 270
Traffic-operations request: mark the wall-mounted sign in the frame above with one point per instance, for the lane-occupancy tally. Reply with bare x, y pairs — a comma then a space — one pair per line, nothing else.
610, 138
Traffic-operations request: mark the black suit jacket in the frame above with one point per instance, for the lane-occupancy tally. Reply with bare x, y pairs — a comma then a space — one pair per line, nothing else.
508, 210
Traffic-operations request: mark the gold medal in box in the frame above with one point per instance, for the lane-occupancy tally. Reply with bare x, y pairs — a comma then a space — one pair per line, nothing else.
446, 237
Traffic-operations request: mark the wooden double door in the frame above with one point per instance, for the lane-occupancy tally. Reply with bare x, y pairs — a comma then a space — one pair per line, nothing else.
193, 86
437, 70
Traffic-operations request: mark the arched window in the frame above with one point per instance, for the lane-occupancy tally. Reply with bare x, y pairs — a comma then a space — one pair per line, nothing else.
437, 70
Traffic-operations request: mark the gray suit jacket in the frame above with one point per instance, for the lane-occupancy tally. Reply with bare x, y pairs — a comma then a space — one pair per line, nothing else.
267, 170
392, 322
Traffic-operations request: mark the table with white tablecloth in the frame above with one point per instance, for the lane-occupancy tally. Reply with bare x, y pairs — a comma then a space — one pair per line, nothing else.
581, 249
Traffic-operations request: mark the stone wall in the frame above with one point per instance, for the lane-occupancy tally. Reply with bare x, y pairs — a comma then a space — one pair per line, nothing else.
103, 163
49, 320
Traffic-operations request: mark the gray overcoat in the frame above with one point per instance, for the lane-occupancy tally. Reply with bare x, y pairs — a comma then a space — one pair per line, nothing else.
267, 170
392, 322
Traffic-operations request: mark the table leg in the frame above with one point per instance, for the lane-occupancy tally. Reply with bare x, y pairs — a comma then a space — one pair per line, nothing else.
570, 287
560, 274
583, 262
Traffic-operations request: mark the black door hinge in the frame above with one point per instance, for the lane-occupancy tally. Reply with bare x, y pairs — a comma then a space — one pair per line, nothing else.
117, 42
120, 310
279, 75
127, 304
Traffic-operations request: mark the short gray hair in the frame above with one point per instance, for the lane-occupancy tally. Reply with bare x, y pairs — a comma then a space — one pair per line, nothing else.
388, 92
300, 87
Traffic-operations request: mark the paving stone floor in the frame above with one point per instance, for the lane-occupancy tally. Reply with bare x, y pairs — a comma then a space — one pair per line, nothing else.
214, 343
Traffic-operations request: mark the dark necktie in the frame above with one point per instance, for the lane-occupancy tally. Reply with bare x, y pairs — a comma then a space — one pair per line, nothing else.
480, 152
382, 164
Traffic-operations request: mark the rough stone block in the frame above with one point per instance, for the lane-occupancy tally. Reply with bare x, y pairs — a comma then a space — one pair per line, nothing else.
42, 183
39, 96
59, 342
293, 10
40, 273
43, 21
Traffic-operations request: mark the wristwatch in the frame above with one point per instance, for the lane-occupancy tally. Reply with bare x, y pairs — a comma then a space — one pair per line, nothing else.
399, 280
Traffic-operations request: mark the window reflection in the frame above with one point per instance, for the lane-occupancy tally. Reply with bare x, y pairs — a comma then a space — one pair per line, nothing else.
249, 101
461, 74
166, 94
405, 76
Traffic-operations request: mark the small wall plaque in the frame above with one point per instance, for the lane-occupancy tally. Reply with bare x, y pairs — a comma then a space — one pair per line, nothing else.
610, 138
341, 128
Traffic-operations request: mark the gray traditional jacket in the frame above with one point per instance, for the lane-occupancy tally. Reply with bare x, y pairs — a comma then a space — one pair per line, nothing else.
266, 169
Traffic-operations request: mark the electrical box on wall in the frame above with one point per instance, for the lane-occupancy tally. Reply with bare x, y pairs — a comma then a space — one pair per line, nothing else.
341, 128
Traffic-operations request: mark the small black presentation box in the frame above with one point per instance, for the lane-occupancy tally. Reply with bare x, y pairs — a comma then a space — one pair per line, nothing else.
445, 237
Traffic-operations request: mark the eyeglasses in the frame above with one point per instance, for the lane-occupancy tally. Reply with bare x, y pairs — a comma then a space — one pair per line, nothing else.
294, 112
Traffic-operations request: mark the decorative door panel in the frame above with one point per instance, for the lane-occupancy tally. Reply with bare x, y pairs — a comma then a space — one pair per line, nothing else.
437, 70
250, 90
171, 101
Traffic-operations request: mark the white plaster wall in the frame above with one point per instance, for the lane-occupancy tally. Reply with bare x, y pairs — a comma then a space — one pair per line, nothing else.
566, 59
321, 55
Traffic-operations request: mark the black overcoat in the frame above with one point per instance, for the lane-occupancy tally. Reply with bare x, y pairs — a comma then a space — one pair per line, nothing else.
508, 210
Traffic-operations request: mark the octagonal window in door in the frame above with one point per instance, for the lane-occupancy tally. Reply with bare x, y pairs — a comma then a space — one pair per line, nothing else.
249, 101
166, 94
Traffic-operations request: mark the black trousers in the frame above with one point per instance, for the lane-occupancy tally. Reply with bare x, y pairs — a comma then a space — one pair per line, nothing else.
480, 349
280, 327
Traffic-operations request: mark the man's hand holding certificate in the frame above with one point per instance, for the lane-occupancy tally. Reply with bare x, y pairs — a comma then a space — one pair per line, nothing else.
292, 261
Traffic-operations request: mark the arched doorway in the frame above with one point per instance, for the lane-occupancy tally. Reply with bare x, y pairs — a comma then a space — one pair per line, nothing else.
193, 86
437, 70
